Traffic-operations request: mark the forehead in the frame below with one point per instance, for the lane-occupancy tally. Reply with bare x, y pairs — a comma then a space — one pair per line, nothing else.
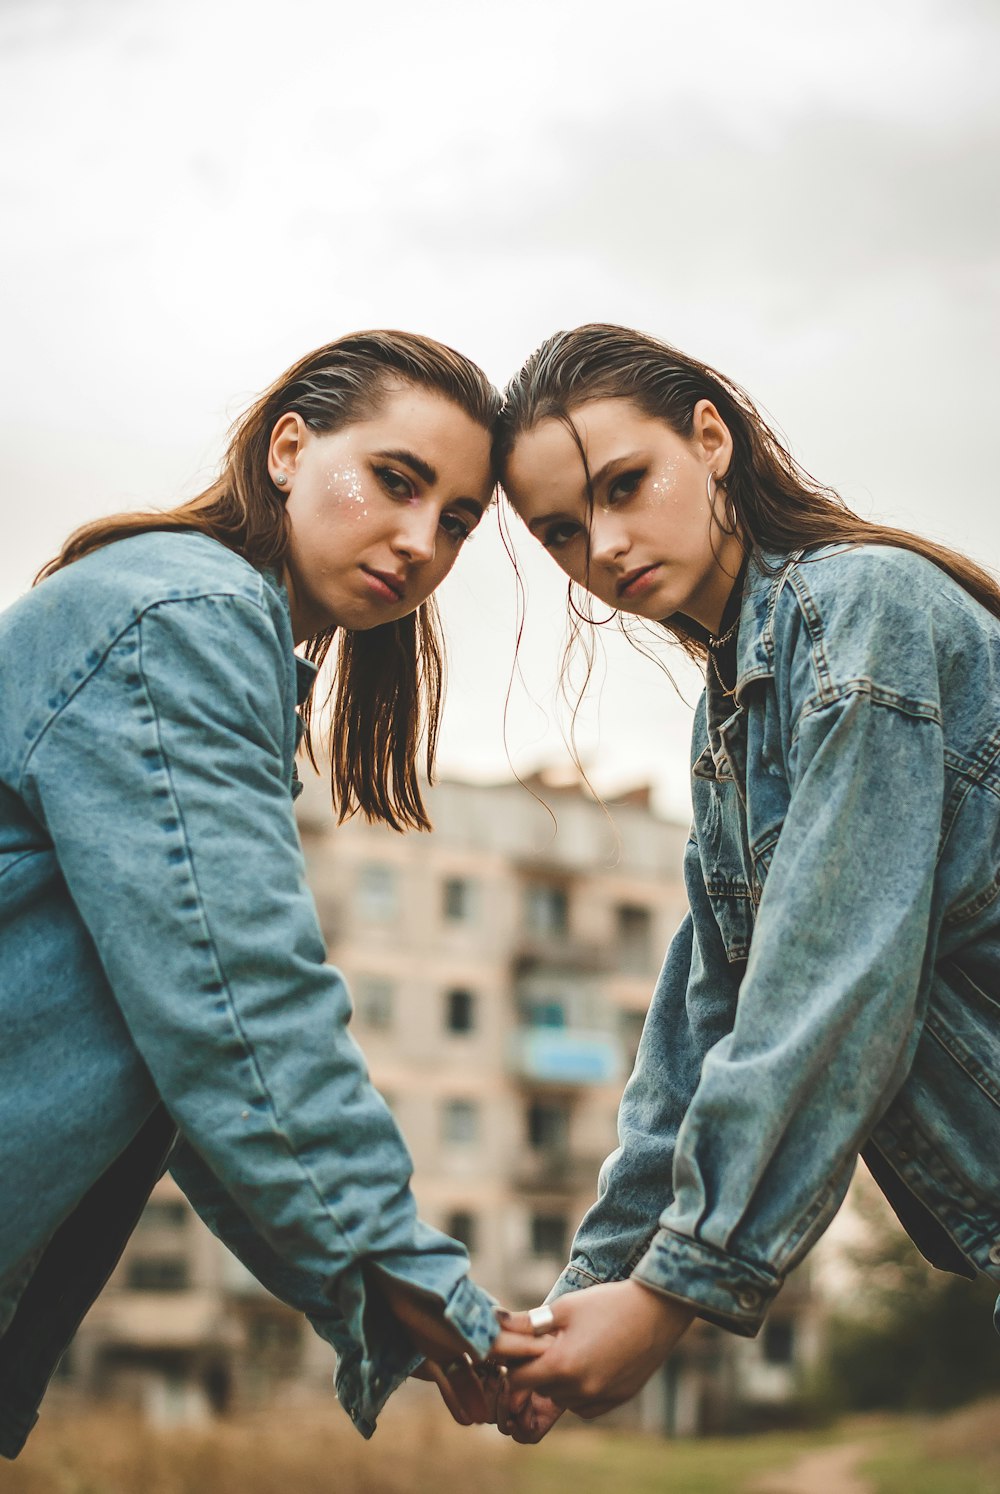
545, 464
424, 414
430, 426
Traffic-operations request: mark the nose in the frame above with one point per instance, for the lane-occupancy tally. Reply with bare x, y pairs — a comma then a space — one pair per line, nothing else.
416, 536
608, 540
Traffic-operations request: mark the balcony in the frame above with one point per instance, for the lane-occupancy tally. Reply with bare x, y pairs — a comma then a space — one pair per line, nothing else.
566, 1056
557, 950
550, 1171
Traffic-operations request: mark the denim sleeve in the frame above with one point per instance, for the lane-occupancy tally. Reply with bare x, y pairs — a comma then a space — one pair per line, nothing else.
163, 784
693, 1006
300, 1289
828, 1014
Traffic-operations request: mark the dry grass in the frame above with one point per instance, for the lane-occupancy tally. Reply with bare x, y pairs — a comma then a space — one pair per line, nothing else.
311, 1448
298, 1450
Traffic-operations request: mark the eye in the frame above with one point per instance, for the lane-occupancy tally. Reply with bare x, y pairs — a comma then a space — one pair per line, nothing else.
560, 533
456, 527
625, 486
396, 484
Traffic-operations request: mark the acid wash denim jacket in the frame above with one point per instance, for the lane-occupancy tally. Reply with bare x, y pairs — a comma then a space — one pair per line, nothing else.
163, 991
836, 984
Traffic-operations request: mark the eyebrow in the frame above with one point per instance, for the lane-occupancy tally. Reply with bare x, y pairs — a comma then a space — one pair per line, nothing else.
427, 474
595, 482
423, 469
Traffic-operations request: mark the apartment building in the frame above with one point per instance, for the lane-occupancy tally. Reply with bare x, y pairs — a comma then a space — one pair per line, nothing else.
500, 970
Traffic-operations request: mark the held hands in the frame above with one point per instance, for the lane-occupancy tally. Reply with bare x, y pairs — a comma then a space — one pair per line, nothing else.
471, 1392
605, 1343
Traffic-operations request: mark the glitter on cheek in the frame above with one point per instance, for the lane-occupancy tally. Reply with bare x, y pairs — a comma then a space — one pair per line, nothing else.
346, 488
663, 487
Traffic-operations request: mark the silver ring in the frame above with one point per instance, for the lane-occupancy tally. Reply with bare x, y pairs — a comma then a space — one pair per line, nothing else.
542, 1320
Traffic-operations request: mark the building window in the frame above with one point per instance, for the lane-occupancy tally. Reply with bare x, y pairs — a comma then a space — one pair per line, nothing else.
460, 1011
374, 1001
164, 1214
377, 894
157, 1273
459, 900
548, 1126
630, 1025
635, 938
779, 1341
546, 909
548, 1235
461, 1225
460, 1122
267, 1334
543, 1011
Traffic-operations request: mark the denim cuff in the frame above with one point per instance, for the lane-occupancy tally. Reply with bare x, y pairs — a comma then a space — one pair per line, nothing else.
366, 1381
721, 1288
574, 1278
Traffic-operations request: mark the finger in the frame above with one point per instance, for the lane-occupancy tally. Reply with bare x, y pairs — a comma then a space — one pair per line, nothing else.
437, 1374
520, 1322
469, 1391
537, 1418
544, 1374
512, 1346
503, 1409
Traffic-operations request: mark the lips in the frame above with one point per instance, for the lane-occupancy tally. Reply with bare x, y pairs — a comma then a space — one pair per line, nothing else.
633, 582
394, 584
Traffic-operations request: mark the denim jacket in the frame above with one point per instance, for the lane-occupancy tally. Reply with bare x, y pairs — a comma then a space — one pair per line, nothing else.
162, 970
835, 985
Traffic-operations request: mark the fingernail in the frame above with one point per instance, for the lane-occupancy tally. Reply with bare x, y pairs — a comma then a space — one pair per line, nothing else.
502, 1314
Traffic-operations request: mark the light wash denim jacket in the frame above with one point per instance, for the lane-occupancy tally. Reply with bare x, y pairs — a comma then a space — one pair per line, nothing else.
162, 968
836, 983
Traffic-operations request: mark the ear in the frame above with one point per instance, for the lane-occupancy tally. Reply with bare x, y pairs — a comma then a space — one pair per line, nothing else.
711, 433
287, 440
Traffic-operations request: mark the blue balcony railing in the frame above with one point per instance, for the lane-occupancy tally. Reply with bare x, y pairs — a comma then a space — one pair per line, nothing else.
566, 1055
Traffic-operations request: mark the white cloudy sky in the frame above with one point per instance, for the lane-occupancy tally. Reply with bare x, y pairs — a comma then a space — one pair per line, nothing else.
197, 193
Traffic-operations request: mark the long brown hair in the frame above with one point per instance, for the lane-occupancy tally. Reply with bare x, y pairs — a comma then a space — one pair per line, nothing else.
388, 681
777, 506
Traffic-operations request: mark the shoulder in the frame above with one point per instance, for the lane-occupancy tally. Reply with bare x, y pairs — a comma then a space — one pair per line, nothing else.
207, 598
101, 596
870, 617
162, 566
840, 577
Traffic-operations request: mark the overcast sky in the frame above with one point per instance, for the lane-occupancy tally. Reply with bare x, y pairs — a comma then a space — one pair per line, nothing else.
196, 194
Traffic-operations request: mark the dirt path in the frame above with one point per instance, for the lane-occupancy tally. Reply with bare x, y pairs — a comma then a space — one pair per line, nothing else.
829, 1470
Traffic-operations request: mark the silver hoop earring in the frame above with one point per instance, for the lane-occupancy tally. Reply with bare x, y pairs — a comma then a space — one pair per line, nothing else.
281, 478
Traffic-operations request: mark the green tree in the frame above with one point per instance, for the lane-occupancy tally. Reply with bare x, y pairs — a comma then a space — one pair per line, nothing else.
914, 1338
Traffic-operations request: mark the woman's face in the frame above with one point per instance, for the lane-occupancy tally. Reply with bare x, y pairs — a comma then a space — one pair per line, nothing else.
656, 547
379, 510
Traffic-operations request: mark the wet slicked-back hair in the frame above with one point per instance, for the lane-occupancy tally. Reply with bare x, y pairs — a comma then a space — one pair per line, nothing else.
776, 505
388, 681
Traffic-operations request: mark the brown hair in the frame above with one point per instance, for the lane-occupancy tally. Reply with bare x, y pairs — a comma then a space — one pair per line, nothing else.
776, 505
388, 682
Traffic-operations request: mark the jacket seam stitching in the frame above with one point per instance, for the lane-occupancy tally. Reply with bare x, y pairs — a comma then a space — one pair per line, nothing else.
113, 643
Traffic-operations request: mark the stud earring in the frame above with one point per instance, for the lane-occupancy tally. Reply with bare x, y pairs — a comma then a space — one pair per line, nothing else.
281, 478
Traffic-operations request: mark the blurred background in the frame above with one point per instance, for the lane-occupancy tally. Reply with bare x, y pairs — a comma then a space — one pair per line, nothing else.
805, 196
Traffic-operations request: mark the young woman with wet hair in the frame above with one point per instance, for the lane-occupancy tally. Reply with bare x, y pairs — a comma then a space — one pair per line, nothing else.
163, 989
835, 987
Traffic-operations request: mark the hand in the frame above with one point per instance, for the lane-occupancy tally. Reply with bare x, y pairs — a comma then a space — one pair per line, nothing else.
606, 1342
431, 1333
470, 1392
526, 1415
